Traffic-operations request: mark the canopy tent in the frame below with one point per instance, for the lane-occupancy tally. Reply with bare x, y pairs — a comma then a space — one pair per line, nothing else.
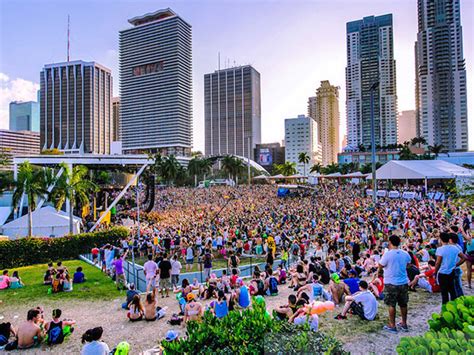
420, 169
279, 176
46, 222
296, 176
261, 177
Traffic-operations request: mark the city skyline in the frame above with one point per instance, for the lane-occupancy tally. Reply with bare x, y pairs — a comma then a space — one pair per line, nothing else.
288, 79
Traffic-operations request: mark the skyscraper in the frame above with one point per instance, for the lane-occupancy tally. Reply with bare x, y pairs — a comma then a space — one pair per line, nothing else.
156, 84
301, 136
14, 143
406, 126
441, 75
24, 116
76, 107
327, 117
232, 113
369, 60
116, 118
312, 112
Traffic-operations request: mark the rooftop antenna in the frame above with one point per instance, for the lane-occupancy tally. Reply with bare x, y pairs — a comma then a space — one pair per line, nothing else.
68, 38
219, 61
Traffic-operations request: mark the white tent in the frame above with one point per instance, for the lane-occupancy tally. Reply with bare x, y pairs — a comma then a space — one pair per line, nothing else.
261, 177
46, 222
420, 169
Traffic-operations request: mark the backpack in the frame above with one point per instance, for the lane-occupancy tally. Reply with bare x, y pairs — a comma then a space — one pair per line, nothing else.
260, 288
273, 286
55, 334
175, 320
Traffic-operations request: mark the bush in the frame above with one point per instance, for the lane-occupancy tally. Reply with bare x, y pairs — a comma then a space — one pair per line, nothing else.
251, 331
446, 341
457, 314
28, 251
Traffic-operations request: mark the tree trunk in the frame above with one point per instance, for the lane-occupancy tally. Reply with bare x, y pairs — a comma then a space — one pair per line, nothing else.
195, 181
71, 216
30, 220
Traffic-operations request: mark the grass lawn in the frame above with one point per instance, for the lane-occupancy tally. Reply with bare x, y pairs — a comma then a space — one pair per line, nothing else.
97, 285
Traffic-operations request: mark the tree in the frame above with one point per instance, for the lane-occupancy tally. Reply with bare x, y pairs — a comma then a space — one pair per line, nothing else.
435, 149
304, 159
331, 169
419, 141
194, 168
206, 165
405, 153
30, 182
287, 168
316, 168
169, 167
75, 187
361, 148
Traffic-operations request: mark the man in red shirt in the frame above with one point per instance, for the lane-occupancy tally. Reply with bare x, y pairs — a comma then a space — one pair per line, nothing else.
95, 254
427, 280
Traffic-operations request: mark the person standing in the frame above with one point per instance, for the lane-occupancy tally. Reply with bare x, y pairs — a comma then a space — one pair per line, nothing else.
394, 264
164, 269
175, 271
448, 257
150, 269
207, 264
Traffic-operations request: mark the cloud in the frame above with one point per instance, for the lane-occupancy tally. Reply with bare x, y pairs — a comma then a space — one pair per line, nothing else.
14, 90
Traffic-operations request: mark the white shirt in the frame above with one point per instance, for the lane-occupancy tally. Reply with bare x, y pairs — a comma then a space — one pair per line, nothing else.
449, 253
175, 267
369, 302
150, 268
95, 348
395, 263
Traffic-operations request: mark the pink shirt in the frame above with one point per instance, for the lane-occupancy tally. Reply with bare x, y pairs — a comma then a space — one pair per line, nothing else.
4, 282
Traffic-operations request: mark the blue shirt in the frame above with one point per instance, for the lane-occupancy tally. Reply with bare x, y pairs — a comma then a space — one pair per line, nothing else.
449, 253
353, 284
395, 263
244, 297
221, 309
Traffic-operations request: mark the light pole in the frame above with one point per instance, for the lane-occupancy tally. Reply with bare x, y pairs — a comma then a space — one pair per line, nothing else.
372, 141
248, 161
137, 190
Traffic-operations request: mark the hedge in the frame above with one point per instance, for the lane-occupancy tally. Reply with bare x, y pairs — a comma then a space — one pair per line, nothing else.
29, 251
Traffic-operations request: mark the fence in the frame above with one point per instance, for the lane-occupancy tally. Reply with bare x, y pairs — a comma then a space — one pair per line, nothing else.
134, 272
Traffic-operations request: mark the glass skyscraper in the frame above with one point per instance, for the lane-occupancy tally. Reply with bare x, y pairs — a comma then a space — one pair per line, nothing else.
370, 59
24, 116
156, 84
441, 93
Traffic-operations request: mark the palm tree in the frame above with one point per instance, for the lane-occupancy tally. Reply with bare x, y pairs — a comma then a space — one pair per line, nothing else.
419, 141
170, 167
194, 168
361, 148
228, 165
30, 182
316, 168
75, 187
304, 159
435, 149
331, 169
206, 165
287, 168
405, 153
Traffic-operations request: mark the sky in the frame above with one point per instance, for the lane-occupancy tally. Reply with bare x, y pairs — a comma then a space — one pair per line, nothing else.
294, 44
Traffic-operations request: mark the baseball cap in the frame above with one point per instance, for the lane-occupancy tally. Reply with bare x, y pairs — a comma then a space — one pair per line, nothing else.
335, 278
171, 335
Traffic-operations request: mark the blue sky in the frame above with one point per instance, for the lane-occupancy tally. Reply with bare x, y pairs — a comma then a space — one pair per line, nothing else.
293, 44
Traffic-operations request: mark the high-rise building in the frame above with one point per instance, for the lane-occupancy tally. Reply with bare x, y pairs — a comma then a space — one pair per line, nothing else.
24, 116
406, 126
312, 112
327, 117
370, 60
232, 113
301, 136
14, 143
441, 92
116, 118
156, 84
76, 107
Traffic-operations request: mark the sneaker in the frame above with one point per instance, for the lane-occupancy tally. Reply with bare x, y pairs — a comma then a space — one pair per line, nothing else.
340, 317
390, 329
403, 328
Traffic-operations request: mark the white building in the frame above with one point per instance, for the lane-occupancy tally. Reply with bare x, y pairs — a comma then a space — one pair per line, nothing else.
301, 136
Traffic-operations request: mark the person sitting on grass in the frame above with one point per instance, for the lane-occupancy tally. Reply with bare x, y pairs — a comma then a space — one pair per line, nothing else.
4, 280
426, 280
48, 278
6, 330
352, 281
60, 267
337, 289
314, 290
286, 311
136, 310
220, 308
93, 345
193, 310
15, 281
79, 276
152, 312
29, 334
377, 285
67, 283
281, 274
51, 269
362, 303
131, 292
56, 329
58, 282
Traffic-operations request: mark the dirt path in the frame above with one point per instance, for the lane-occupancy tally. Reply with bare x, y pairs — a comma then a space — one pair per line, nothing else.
146, 335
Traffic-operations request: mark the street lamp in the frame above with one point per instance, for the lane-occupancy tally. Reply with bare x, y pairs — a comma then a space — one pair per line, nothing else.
374, 87
138, 190
248, 161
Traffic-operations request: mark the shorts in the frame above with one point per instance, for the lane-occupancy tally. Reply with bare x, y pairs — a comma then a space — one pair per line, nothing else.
190, 261
165, 284
151, 282
396, 294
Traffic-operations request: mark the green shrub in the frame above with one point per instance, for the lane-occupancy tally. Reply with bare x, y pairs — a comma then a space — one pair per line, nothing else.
444, 342
251, 331
457, 314
28, 251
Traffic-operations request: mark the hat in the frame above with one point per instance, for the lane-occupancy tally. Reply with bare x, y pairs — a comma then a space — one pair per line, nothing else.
171, 335
335, 278
190, 296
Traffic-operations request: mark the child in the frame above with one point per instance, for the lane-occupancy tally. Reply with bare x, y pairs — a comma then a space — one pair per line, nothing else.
79, 276
15, 281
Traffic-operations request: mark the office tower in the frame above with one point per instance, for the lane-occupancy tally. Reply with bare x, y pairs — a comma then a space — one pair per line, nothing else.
24, 116
76, 107
232, 113
441, 90
116, 118
301, 136
327, 117
370, 60
156, 84
15, 143
406, 126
